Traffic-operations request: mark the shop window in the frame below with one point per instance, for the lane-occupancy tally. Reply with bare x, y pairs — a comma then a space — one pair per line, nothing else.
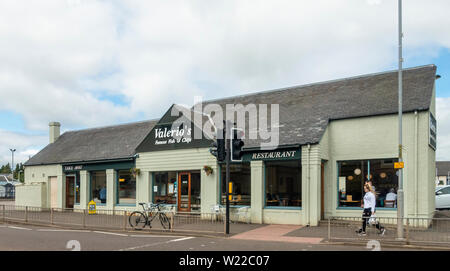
353, 175
165, 187
77, 188
126, 188
240, 179
283, 183
98, 187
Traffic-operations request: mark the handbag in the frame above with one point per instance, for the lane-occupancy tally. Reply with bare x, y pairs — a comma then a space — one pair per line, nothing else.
373, 219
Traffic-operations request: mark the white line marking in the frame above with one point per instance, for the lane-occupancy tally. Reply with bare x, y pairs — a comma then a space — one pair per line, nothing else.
58, 230
19, 228
111, 233
156, 244
180, 239
150, 236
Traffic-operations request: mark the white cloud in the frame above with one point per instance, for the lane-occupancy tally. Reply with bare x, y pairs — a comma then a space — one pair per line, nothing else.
443, 129
57, 57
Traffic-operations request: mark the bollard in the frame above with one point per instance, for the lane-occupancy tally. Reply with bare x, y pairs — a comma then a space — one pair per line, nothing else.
124, 220
26, 214
84, 218
4, 213
51, 216
171, 221
329, 229
407, 231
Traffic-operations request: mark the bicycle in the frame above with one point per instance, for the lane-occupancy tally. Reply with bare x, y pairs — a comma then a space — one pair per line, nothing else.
138, 219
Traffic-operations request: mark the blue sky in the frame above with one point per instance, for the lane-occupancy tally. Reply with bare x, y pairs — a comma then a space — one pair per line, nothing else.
95, 63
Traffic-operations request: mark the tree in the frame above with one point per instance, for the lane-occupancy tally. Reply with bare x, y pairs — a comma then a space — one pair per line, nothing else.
6, 169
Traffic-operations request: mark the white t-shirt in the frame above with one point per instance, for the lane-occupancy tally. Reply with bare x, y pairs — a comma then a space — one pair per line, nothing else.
391, 196
369, 201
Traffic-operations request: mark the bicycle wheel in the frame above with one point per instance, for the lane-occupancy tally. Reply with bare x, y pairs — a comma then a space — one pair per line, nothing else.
137, 220
165, 221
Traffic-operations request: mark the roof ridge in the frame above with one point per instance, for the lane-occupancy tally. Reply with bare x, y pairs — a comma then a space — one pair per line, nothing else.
319, 83
111, 126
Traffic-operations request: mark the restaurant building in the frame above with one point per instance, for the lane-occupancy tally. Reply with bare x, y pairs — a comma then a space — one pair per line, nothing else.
333, 136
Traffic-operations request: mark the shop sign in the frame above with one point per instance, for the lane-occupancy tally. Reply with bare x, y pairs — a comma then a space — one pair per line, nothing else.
432, 132
273, 155
399, 165
73, 168
165, 136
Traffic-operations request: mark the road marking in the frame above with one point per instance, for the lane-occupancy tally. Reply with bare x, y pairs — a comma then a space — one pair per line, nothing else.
180, 239
151, 236
19, 228
60, 230
156, 244
111, 233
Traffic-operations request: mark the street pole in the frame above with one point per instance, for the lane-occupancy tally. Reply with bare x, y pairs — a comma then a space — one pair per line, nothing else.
227, 175
400, 198
12, 162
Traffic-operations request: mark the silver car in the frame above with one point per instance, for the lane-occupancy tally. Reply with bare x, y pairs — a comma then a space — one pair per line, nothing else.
443, 197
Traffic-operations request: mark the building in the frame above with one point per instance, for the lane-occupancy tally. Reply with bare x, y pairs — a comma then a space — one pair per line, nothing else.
442, 173
333, 136
7, 186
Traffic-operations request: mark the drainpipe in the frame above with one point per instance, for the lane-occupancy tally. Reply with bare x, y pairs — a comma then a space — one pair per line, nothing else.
416, 158
308, 219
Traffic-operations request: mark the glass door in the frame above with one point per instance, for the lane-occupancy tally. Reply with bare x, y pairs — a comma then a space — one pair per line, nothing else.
184, 192
70, 189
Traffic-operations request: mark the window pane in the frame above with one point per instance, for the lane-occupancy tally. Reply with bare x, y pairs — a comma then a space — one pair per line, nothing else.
283, 183
385, 182
241, 183
351, 180
98, 186
353, 175
165, 187
77, 188
126, 187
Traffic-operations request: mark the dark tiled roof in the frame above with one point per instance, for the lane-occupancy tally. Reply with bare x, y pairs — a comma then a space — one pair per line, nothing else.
306, 110
113, 142
443, 168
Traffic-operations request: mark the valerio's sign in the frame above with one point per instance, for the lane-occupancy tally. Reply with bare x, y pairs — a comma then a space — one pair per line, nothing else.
167, 135
432, 132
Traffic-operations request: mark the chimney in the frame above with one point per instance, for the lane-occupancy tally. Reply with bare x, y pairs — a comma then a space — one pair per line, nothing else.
54, 131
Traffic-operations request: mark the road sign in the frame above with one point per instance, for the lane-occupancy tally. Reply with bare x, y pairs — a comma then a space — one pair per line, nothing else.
399, 165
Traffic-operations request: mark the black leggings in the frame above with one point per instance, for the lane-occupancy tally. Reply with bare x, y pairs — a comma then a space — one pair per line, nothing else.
366, 216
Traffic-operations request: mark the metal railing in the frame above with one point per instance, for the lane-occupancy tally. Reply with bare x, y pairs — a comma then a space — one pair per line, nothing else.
416, 230
111, 219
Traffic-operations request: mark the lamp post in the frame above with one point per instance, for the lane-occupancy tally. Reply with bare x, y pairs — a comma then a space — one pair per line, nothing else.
12, 162
400, 199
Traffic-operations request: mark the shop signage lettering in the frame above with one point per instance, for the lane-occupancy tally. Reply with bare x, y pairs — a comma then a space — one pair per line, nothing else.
432, 132
164, 136
274, 155
72, 168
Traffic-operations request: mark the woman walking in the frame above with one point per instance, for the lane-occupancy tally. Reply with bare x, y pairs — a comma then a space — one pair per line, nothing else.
369, 210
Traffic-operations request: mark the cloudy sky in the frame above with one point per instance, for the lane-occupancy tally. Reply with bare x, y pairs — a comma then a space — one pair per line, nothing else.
88, 63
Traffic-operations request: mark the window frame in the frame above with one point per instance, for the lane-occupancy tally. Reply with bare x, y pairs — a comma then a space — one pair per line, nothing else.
90, 187
223, 164
118, 190
296, 208
338, 166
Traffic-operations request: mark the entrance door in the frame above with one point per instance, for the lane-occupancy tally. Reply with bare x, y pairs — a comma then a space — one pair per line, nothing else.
184, 192
53, 192
70, 191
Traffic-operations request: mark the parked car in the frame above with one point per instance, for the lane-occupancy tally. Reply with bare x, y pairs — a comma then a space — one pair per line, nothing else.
443, 197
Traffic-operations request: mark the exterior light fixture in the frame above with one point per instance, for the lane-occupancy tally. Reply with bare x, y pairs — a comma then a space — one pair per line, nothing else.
357, 171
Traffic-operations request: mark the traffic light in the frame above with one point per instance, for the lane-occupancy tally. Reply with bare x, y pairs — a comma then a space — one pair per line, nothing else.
218, 146
236, 144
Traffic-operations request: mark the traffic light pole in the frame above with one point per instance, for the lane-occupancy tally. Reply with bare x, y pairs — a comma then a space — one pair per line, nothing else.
227, 176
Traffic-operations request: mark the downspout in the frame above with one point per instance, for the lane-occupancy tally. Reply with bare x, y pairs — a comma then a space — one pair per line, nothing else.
416, 158
307, 187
